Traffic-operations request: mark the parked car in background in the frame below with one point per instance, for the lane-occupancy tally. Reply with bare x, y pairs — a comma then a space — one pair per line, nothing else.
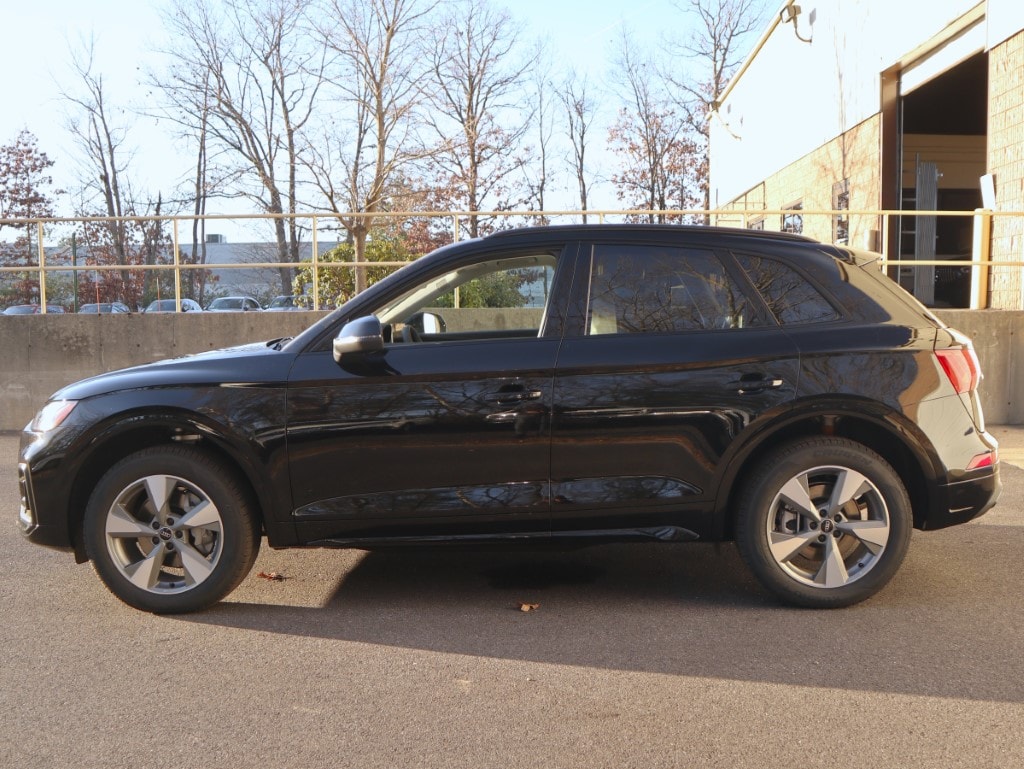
169, 305
609, 383
104, 307
233, 304
288, 304
32, 309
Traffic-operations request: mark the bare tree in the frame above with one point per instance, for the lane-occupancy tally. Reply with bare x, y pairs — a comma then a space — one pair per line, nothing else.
101, 138
717, 44
380, 75
101, 134
478, 116
251, 71
544, 128
579, 113
197, 279
650, 138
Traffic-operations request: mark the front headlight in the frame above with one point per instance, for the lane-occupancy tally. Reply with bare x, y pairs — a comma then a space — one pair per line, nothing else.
51, 415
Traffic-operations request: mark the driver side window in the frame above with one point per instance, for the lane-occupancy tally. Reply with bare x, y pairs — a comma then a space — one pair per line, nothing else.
496, 298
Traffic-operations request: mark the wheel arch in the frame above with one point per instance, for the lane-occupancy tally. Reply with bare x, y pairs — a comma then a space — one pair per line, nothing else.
889, 434
126, 434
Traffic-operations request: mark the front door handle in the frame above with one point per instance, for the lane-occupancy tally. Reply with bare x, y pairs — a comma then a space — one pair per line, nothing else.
515, 396
755, 383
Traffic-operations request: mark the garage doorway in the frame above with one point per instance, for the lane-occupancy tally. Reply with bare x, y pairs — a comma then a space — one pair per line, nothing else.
942, 141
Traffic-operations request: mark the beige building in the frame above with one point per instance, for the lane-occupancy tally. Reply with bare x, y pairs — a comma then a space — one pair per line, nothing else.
879, 107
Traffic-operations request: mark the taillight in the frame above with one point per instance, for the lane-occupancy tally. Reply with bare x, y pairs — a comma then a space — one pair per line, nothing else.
962, 367
988, 459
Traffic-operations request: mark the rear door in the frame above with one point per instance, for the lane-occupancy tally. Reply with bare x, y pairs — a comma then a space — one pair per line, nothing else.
666, 361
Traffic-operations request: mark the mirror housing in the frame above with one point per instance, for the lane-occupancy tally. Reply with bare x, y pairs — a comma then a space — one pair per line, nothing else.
360, 335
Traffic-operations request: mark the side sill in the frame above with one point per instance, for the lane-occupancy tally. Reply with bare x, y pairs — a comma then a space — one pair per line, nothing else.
580, 538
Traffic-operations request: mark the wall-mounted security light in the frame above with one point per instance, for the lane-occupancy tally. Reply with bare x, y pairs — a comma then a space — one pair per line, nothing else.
791, 13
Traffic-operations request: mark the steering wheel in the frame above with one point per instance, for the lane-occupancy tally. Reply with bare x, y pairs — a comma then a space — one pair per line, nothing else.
410, 334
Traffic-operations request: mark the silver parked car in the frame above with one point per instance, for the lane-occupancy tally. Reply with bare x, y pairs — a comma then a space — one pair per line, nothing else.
104, 307
233, 304
287, 303
169, 305
32, 309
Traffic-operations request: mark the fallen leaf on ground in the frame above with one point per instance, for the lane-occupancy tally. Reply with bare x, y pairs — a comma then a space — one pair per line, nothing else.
272, 575
528, 606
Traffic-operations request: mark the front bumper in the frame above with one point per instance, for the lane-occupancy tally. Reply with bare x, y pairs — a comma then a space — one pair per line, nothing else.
48, 533
27, 513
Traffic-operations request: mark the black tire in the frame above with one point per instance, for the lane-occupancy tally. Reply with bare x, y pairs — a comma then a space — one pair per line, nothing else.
823, 522
170, 530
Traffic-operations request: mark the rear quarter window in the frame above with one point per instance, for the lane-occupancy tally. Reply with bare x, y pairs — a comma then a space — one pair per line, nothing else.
791, 298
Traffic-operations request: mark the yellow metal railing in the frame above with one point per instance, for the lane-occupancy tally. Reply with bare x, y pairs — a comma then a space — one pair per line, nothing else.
816, 223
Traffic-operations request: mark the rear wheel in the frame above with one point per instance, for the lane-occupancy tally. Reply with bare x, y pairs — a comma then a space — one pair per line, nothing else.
824, 522
169, 530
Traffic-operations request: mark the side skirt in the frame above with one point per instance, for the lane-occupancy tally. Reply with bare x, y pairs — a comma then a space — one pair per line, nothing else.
580, 538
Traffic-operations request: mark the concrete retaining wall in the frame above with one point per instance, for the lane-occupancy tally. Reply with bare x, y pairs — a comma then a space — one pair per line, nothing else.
998, 337
41, 354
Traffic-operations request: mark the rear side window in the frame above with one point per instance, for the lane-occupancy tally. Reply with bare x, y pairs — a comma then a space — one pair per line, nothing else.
787, 293
655, 289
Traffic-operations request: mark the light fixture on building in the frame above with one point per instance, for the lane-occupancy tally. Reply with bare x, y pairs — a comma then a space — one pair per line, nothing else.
789, 13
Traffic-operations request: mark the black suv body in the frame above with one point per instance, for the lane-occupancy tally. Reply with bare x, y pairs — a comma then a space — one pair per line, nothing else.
566, 384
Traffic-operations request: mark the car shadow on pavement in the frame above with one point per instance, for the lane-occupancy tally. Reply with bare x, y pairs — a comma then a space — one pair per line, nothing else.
948, 625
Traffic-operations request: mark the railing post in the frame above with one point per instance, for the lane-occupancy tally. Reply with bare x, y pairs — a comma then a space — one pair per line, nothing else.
981, 255
316, 268
883, 247
177, 267
42, 267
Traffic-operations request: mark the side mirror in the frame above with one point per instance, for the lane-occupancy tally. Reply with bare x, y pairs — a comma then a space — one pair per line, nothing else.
427, 323
359, 335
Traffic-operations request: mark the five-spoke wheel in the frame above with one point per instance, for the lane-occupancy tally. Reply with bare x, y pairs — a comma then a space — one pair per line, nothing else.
168, 530
824, 522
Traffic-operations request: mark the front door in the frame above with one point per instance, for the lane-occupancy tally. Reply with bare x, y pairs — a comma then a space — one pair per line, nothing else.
444, 433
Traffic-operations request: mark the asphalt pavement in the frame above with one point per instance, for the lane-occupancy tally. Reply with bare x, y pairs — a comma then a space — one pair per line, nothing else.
636, 656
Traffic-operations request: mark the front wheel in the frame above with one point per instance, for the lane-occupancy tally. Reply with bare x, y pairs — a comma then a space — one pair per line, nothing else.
823, 522
169, 530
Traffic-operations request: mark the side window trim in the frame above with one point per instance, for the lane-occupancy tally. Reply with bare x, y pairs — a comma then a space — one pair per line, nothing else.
557, 312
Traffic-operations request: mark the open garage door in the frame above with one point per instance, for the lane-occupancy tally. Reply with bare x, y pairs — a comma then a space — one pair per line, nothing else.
942, 109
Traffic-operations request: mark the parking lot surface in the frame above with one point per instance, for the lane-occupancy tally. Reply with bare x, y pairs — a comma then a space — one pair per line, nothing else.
636, 656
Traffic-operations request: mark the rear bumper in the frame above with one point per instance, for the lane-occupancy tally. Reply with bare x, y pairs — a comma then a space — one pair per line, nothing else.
964, 500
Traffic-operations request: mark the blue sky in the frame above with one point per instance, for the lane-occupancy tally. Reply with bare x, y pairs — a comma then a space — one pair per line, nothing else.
35, 57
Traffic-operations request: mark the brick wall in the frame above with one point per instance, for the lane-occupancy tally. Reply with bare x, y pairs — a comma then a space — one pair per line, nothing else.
1006, 162
809, 181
